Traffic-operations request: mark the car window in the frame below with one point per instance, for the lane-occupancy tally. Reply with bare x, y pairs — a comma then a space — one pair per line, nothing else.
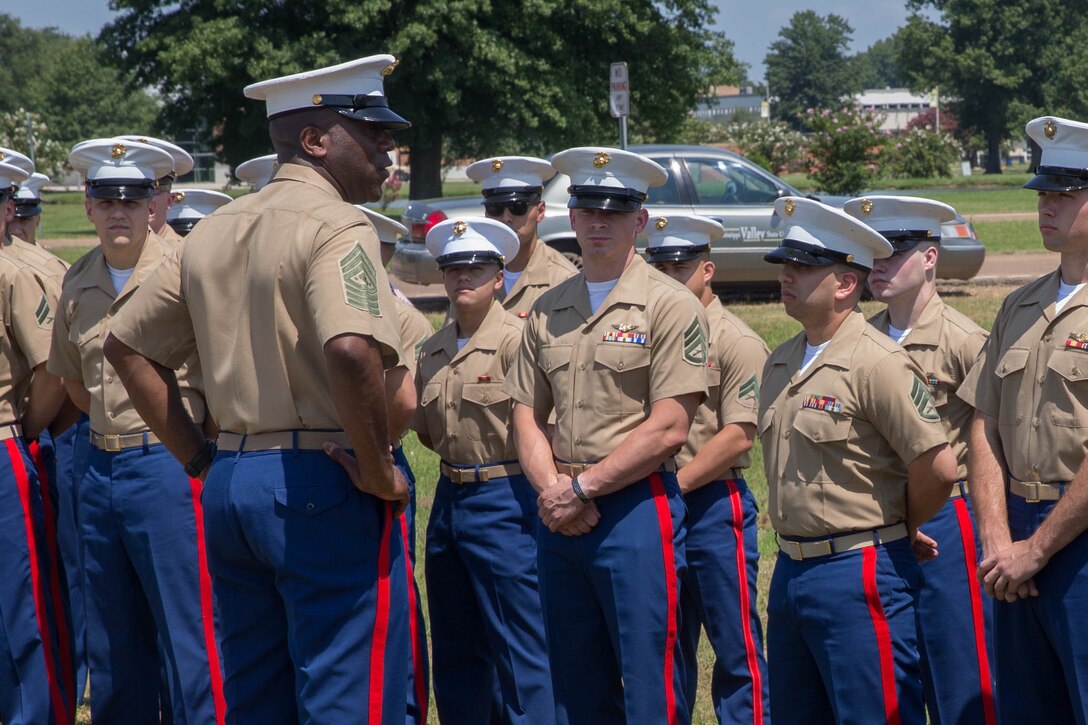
667, 193
721, 181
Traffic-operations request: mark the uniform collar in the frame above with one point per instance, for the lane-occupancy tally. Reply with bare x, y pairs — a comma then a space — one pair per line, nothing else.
534, 273
838, 353
305, 175
927, 331
97, 274
485, 338
1045, 295
714, 312
631, 288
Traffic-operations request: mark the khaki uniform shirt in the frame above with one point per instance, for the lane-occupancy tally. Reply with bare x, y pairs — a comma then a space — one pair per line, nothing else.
734, 368
258, 288
413, 329
837, 438
463, 408
1032, 377
944, 343
28, 322
168, 235
88, 306
601, 371
545, 269
50, 268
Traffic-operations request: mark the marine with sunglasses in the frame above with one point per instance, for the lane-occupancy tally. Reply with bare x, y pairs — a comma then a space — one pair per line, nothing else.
512, 189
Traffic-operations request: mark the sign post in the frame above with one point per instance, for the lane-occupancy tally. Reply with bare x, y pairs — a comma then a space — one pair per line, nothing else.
620, 98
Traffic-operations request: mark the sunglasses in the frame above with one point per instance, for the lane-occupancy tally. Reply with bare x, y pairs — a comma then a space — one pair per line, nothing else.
517, 208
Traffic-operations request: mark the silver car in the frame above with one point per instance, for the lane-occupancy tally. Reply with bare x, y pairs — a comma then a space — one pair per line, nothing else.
712, 182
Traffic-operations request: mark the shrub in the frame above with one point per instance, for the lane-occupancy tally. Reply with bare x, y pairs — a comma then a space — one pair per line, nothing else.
773, 145
844, 148
919, 154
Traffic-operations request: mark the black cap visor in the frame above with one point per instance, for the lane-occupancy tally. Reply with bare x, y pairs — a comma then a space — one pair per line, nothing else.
182, 226
904, 240
360, 107
1058, 178
606, 198
528, 194
24, 209
810, 255
123, 189
467, 258
675, 254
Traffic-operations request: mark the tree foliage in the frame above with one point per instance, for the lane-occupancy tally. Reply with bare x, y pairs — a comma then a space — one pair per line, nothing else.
808, 66
878, 65
476, 76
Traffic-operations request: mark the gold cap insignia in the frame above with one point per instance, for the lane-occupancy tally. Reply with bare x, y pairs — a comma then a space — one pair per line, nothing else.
118, 151
867, 206
2, 154
661, 222
388, 70
179, 196
1050, 128
460, 228
317, 99
143, 140
849, 258
496, 165
624, 327
601, 159
789, 206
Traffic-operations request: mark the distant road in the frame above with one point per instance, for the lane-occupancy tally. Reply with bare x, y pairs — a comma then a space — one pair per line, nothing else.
1012, 216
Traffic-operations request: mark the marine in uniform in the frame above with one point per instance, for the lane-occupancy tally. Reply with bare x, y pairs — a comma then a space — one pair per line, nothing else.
512, 186
952, 615
138, 511
192, 205
28, 209
1027, 472
619, 353
719, 591
486, 619
281, 296
856, 460
257, 172
36, 678
163, 199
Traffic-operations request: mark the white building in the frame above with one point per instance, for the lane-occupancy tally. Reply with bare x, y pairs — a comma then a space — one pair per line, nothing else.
898, 105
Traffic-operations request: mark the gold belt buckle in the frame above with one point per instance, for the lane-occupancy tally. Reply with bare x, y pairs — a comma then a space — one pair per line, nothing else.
482, 475
797, 544
1032, 486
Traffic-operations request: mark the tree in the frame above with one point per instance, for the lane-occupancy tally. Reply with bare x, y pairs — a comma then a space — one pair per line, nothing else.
474, 78
807, 67
878, 66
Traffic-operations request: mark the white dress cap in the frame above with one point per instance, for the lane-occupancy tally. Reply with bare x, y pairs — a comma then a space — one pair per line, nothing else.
192, 205
118, 169
471, 241
11, 176
388, 230
1063, 164
257, 172
680, 237
507, 175
29, 196
13, 157
606, 178
902, 220
818, 235
183, 162
356, 89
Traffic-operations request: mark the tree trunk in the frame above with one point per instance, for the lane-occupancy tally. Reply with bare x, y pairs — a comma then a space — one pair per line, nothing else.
426, 180
993, 156
1036, 154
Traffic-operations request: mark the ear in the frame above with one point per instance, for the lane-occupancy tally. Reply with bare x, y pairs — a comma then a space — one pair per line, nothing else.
539, 212
87, 204
708, 271
849, 283
314, 142
931, 254
641, 221
499, 277
9, 211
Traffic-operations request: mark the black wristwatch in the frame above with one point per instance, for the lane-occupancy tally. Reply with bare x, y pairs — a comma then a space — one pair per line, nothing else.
201, 460
577, 488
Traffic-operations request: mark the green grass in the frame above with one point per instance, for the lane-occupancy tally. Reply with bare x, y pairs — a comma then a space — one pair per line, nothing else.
1016, 176
1009, 237
772, 323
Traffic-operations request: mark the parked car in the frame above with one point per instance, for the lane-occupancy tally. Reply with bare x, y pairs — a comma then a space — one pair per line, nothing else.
719, 184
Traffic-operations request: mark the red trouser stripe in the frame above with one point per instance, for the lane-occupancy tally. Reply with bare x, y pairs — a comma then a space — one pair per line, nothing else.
207, 614
883, 634
664, 525
745, 603
413, 626
22, 481
381, 623
967, 537
63, 645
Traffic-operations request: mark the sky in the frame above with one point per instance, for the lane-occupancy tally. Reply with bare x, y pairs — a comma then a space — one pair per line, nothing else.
751, 25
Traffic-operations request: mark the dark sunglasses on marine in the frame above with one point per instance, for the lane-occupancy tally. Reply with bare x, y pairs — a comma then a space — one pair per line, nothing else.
517, 208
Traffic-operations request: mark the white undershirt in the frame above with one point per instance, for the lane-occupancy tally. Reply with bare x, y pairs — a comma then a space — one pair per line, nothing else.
119, 277
461, 342
811, 351
598, 291
1065, 293
509, 279
898, 335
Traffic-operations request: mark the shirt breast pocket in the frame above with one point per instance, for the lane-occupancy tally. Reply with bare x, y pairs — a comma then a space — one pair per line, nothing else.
1010, 370
432, 409
624, 375
1067, 405
486, 410
820, 443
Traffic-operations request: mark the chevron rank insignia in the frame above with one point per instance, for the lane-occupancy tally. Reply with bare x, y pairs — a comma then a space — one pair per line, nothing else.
826, 403
923, 403
695, 344
44, 313
750, 389
360, 281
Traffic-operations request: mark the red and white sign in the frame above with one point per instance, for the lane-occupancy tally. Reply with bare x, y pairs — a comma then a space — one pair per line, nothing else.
619, 95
